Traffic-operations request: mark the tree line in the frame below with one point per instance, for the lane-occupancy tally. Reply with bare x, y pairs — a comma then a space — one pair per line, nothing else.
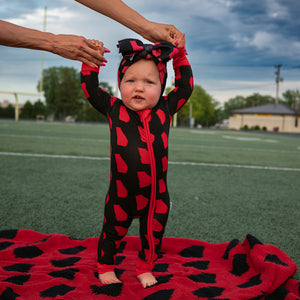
64, 97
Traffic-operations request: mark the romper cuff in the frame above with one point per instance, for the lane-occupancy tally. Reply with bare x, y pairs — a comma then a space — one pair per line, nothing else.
143, 267
102, 268
86, 69
180, 59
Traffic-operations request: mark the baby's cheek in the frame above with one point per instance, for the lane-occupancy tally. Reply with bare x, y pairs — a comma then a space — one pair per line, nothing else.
154, 97
153, 103
125, 96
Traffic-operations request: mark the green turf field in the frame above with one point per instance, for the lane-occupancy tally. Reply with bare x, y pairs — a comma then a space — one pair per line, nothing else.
222, 184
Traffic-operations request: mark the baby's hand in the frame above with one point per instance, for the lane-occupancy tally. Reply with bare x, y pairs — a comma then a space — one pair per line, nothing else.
180, 40
101, 49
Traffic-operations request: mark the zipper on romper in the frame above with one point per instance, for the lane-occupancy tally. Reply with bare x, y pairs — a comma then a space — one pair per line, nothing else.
145, 120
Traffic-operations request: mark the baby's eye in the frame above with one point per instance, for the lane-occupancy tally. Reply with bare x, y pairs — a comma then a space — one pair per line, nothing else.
130, 80
149, 82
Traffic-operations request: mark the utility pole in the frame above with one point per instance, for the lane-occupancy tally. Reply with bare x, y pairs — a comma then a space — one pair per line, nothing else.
278, 79
297, 99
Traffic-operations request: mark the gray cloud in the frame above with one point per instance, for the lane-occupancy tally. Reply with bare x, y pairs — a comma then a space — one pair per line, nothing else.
229, 41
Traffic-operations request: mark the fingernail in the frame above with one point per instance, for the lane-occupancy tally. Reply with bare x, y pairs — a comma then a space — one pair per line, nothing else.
107, 50
103, 65
105, 60
176, 43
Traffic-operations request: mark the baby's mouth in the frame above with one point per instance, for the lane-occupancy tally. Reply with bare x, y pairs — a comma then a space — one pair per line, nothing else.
138, 98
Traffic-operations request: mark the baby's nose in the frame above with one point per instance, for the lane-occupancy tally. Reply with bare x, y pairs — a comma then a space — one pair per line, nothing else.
139, 86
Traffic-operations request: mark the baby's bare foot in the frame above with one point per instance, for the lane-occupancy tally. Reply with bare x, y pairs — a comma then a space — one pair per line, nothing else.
147, 279
108, 278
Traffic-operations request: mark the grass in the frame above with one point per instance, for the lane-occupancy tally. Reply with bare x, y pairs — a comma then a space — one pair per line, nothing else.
215, 201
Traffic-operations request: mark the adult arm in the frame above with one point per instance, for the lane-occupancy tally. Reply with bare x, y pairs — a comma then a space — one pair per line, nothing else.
120, 12
68, 46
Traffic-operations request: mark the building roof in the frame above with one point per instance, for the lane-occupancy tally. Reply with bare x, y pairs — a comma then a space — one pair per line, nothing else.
271, 108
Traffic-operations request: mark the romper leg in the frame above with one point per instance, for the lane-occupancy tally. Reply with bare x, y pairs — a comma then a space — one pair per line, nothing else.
158, 227
142, 265
112, 233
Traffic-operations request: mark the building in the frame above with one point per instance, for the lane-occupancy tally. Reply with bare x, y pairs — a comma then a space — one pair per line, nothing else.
269, 117
6, 103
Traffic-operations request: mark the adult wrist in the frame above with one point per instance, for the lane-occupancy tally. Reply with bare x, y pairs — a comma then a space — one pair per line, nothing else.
142, 27
48, 42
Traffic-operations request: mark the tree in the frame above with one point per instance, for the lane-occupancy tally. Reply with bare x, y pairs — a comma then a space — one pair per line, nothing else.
39, 108
62, 90
27, 111
232, 104
87, 112
65, 97
243, 102
50, 82
256, 99
7, 112
203, 107
292, 98
30, 111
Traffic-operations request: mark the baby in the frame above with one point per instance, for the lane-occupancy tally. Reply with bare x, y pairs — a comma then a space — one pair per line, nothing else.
139, 129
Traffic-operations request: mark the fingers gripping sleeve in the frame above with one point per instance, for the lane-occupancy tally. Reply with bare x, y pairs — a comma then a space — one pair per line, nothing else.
183, 82
98, 98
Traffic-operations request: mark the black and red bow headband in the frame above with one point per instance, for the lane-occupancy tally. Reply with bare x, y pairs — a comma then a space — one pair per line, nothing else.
133, 50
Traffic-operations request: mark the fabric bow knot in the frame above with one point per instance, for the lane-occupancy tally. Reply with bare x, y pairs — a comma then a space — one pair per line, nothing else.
133, 49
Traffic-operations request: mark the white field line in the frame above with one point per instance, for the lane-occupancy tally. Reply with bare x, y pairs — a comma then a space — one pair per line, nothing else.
170, 162
233, 148
53, 156
233, 166
173, 144
44, 137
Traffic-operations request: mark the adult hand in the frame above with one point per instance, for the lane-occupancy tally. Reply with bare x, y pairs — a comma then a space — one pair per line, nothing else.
78, 48
158, 32
179, 41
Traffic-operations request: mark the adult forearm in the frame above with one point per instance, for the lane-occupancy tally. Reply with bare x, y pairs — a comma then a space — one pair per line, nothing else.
120, 12
66, 45
16, 36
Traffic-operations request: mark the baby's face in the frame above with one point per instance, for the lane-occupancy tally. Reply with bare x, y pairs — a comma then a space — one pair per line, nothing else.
140, 87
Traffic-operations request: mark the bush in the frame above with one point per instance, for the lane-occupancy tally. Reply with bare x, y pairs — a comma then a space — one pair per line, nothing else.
7, 112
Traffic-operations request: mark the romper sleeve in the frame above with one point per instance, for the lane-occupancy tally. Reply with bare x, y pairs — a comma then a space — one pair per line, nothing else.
99, 98
183, 82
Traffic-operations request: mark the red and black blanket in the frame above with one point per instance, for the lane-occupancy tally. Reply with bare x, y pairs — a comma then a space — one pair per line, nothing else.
42, 266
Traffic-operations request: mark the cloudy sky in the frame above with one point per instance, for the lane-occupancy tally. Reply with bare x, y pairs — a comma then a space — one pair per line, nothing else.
233, 45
